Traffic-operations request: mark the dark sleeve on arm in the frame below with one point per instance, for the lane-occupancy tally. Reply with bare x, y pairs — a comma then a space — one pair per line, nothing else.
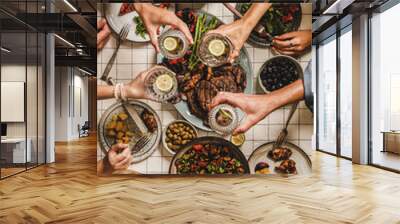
308, 93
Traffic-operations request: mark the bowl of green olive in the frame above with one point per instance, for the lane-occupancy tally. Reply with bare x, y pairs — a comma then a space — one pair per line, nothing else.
177, 134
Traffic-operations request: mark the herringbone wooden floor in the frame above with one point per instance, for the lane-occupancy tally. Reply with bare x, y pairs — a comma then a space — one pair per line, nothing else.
70, 192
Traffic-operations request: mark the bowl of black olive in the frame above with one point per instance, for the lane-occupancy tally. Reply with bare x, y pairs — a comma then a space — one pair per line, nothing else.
278, 72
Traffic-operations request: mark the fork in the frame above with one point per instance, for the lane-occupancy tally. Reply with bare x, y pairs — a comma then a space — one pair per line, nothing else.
144, 135
283, 134
141, 143
121, 37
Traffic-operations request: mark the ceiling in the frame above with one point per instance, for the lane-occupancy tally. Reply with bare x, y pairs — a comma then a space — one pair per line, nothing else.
332, 15
22, 21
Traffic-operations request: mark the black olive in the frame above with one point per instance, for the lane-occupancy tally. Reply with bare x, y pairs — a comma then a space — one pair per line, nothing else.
278, 73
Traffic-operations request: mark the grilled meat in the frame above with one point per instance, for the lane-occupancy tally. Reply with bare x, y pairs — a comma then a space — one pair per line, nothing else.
224, 84
199, 85
279, 154
235, 72
287, 166
191, 83
193, 104
205, 92
149, 120
240, 77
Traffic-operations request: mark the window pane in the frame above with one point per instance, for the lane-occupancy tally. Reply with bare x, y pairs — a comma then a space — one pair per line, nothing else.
385, 89
327, 96
346, 94
15, 150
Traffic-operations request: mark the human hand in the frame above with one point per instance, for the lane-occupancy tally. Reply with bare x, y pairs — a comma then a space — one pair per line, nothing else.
153, 17
292, 43
136, 89
119, 157
256, 107
103, 33
237, 32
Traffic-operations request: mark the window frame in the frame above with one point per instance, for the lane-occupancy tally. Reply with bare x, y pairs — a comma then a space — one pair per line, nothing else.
337, 34
381, 9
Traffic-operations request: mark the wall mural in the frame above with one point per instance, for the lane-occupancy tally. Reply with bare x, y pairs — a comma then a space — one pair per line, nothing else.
204, 89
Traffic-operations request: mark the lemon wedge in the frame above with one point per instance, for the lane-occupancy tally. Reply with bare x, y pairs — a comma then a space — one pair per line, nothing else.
170, 43
164, 83
238, 139
216, 47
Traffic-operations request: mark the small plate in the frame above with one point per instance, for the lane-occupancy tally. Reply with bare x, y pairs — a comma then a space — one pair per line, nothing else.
257, 41
116, 22
165, 134
303, 162
299, 68
155, 137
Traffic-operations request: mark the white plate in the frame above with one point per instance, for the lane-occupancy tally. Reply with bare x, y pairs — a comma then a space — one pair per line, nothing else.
116, 108
303, 162
116, 22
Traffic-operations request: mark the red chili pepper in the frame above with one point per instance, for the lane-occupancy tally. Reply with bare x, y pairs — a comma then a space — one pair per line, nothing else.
287, 18
197, 147
173, 61
293, 8
202, 164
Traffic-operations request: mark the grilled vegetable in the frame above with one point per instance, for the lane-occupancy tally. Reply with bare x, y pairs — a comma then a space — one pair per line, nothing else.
208, 159
279, 18
262, 168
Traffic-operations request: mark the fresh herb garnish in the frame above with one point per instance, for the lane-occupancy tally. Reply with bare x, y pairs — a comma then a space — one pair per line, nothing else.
140, 28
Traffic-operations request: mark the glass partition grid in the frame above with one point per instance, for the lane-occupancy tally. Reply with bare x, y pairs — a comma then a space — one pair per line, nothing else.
326, 111
383, 68
14, 72
35, 83
345, 93
340, 102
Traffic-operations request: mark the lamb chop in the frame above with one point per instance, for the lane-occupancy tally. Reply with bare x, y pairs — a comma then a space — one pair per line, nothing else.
279, 154
236, 72
240, 77
287, 166
225, 84
192, 82
205, 92
193, 104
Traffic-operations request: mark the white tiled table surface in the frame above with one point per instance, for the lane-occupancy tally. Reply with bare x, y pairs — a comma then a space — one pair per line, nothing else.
133, 58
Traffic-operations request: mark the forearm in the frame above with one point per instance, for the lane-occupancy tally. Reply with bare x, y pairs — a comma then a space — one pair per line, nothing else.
288, 94
105, 92
139, 7
254, 14
104, 167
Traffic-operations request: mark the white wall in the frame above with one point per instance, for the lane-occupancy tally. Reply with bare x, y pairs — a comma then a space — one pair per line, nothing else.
33, 127
67, 115
14, 73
